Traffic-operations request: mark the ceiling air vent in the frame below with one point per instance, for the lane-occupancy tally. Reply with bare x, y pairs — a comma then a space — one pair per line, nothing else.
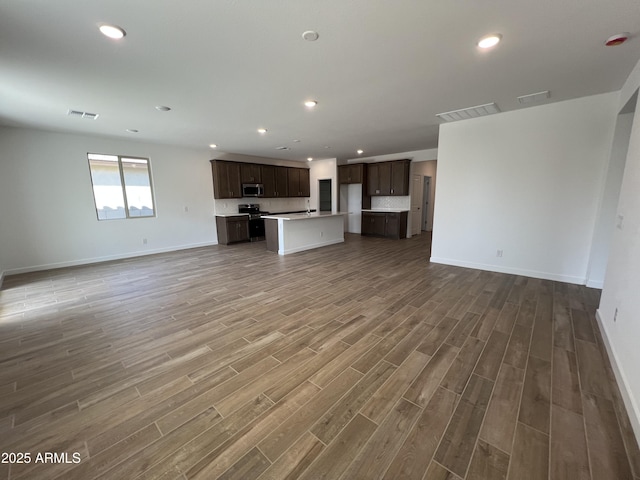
282, 148
79, 114
533, 98
471, 112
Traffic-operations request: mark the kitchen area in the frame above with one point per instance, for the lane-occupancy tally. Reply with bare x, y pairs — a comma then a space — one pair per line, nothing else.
272, 203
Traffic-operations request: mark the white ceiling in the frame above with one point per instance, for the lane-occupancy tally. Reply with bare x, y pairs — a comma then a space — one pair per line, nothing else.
380, 70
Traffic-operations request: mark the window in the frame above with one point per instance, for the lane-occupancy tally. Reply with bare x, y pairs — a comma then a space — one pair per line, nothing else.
121, 186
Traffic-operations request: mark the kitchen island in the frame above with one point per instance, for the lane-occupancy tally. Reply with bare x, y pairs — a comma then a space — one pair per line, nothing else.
290, 233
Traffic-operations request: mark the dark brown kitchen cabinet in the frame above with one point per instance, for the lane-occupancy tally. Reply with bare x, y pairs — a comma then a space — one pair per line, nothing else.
275, 181
351, 173
305, 183
250, 173
298, 182
373, 223
388, 178
399, 177
379, 178
384, 224
226, 179
232, 229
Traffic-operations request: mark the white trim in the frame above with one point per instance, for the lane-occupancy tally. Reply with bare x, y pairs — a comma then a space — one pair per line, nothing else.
1, 279
513, 271
630, 403
595, 284
108, 258
309, 247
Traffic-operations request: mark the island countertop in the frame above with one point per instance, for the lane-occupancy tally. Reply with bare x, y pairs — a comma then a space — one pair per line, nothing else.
303, 216
385, 210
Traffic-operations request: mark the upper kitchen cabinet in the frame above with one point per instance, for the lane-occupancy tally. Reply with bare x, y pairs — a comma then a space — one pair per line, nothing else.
388, 178
400, 177
250, 173
226, 179
351, 173
275, 181
379, 178
299, 182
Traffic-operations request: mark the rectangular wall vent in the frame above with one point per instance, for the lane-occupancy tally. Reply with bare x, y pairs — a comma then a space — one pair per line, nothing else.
534, 97
79, 114
471, 112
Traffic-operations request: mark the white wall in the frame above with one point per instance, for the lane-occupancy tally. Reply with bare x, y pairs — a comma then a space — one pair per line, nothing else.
527, 182
47, 213
413, 155
607, 213
622, 279
324, 170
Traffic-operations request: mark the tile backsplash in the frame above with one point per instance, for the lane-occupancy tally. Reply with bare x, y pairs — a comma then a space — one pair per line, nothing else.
399, 203
230, 205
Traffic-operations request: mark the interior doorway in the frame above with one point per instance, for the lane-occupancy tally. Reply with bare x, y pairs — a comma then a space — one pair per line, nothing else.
324, 191
426, 195
608, 217
416, 204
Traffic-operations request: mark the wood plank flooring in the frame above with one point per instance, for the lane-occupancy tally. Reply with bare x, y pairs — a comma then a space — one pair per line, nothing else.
355, 361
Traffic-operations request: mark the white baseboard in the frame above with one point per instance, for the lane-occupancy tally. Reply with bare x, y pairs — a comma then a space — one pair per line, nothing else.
628, 398
106, 258
310, 247
513, 271
593, 284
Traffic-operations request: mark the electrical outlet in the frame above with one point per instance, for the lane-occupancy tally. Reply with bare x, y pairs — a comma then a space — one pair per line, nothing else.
615, 315
322, 234
144, 241
186, 209
499, 253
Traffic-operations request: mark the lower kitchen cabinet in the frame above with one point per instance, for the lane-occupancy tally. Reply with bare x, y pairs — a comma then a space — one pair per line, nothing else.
232, 229
384, 224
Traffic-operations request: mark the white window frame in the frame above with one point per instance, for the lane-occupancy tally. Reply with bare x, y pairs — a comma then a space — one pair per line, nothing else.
123, 186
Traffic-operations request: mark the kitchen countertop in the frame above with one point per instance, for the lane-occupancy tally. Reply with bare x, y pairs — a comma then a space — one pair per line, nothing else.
387, 210
303, 216
231, 214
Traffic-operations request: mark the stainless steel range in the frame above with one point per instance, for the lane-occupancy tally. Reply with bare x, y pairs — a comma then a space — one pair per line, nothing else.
256, 222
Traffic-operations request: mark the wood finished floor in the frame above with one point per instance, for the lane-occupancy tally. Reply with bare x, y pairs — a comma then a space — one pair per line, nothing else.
355, 361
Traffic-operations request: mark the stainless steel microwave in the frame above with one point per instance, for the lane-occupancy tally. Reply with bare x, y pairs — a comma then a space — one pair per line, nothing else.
252, 190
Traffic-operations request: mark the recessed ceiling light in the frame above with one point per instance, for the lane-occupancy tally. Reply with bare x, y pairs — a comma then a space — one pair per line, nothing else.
296, 141
112, 31
262, 130
310, 103
490, 40
162, 108
310, 35
213, 145
132, 130
360, 152
309, 159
